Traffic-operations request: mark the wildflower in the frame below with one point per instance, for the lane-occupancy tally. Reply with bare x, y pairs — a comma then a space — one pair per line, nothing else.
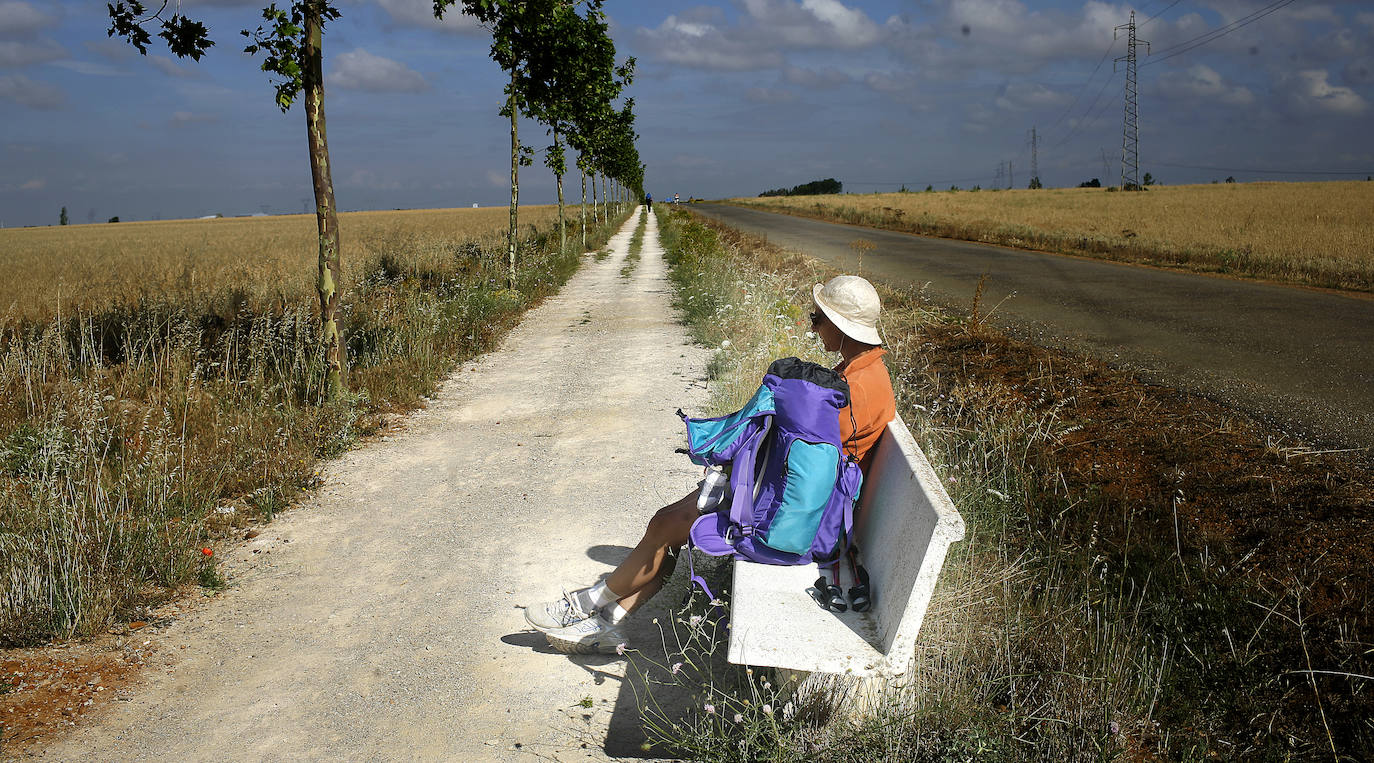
620, 649
207, 551
724, 343
767, 709
710, 709
1116, 729
677, 668
788, 710
739, 717
695, 620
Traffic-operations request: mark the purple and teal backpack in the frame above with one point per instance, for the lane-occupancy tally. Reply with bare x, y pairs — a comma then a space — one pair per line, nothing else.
793, 487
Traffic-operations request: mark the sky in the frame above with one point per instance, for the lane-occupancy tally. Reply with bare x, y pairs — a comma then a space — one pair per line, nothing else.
732, 97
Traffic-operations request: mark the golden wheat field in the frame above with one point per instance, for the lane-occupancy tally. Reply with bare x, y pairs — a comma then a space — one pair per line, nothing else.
83, 268
1318, 233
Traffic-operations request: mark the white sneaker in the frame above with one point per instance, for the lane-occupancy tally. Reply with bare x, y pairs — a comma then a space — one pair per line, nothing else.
595, 635
556, 614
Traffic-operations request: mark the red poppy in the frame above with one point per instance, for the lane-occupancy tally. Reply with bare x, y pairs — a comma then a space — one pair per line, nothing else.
207, 551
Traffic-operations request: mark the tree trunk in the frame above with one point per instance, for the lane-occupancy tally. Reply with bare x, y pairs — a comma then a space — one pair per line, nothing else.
596, 210
326, 218
514, 182
583, 173
603, 197
562, 231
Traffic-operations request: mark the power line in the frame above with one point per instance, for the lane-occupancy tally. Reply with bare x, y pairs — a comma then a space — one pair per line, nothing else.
1081, 121
1084, 87
1219, 32
909, 184
1161, 11
1267, 172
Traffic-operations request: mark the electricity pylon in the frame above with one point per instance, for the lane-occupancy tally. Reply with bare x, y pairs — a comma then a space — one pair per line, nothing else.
1130, 131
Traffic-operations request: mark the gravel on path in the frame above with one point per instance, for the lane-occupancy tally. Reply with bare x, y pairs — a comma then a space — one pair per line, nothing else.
381, 619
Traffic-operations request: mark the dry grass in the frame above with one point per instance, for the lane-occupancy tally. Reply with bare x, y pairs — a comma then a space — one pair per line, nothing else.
178, 394
95, 267
1320, 234
1119, 594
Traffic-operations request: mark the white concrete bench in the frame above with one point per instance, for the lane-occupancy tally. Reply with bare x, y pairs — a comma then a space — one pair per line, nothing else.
908, 523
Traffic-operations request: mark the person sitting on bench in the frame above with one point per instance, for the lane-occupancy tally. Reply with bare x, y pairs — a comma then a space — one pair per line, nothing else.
845, 317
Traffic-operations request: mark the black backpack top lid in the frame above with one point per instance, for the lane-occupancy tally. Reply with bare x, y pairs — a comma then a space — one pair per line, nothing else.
805, 370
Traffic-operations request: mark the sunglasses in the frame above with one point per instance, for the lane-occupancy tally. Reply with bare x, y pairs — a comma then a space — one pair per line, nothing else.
816, 317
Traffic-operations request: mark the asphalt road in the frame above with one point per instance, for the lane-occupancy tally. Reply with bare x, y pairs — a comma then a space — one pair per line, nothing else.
1299, 358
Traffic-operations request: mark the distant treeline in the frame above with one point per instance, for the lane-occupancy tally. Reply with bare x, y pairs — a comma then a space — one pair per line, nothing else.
814, 188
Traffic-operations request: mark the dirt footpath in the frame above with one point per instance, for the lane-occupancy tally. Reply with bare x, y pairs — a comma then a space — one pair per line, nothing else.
382, 620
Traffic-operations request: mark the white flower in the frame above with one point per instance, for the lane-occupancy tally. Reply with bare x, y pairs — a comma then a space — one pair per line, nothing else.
767, 709
677, 668
724, 343
788, 710
810, 335
620, 649
710, 709
739, 717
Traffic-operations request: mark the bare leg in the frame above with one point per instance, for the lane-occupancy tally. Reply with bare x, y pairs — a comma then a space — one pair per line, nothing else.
641, 575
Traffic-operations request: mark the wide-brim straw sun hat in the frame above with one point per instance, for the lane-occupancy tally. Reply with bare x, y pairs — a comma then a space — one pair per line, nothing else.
851, 303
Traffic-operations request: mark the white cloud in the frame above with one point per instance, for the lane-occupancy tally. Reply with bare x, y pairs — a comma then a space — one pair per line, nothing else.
34, 185
703, 38
188, 118
16, 53
811, 23
31, 93
172, 68
360, 70
421, 13
1202, 81
1359, 71
962, 37
770, 95
705, 46
498, 178
369, 180
1023, 96
812, 78
90, 68
887, 82
19, 19
1309, 91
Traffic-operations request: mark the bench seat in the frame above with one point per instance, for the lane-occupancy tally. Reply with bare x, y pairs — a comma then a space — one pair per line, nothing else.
906, 526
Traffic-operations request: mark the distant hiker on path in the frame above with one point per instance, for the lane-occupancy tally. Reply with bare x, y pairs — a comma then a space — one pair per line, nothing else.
649, 200
845, 317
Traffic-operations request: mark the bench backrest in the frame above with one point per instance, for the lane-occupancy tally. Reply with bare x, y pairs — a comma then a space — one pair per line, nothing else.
906, 523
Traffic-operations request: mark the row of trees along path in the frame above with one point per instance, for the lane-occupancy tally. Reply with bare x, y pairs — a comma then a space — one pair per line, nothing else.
561, 62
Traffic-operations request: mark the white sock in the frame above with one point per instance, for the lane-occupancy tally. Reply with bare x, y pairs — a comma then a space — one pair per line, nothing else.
594, 598
614, 613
